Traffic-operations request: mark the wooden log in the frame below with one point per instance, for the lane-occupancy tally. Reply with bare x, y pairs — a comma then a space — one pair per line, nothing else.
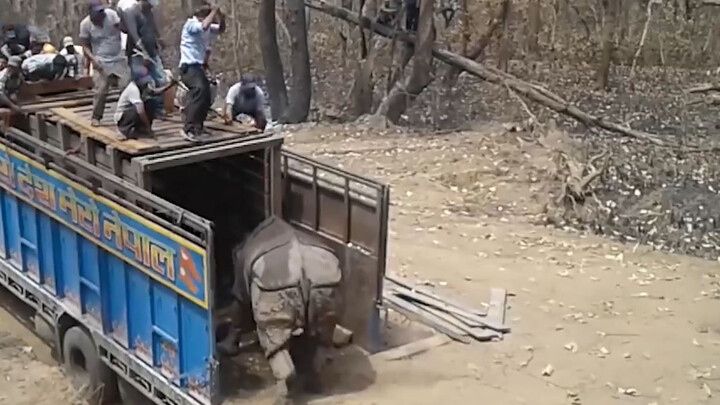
413, 348
491, 75
102, 134
704, 88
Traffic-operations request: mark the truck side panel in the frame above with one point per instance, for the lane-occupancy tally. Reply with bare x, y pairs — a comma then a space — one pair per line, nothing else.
111, 269
350, 213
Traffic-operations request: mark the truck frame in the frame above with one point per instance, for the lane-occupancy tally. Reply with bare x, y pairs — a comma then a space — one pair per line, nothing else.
122, 249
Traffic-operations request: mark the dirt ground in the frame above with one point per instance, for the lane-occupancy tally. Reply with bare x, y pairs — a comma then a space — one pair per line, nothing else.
617, 323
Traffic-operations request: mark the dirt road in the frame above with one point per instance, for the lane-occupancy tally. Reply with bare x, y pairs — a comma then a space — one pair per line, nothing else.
617, 323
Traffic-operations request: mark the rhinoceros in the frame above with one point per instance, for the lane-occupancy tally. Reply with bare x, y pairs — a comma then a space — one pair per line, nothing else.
291, 282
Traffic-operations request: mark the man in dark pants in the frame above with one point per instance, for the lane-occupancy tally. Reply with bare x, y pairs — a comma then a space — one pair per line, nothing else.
197, 34
143, 43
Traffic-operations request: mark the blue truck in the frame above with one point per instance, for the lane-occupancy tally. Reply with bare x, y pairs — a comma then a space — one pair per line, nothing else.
123, 249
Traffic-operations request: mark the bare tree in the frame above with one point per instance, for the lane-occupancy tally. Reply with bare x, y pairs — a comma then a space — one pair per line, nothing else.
274, 71
405, 91
608, 44
301, 81
506, 45
477, 50
534, 26
361, 93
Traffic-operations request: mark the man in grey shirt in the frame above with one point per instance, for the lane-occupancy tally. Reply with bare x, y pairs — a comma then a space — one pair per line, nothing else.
100, 38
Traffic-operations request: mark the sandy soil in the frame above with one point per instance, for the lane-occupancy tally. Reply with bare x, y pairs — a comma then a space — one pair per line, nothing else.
617, 323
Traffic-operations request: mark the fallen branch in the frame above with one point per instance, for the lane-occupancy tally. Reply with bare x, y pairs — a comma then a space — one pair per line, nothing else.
527, 90
704, 88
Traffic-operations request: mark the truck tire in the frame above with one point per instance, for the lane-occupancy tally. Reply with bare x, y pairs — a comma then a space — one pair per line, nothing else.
85, 368
130, 395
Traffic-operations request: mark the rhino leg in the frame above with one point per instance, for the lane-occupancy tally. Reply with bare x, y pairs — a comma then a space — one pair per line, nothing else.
283, 370
304, 350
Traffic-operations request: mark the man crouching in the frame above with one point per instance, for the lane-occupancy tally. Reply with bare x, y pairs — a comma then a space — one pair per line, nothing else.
136, 106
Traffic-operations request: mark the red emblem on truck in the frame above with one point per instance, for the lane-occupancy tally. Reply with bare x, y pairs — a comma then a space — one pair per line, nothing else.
188, 272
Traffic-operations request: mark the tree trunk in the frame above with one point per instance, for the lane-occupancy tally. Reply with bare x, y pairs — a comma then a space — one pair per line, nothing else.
534, 27
506, 50
525, 89
405, 91
361, 93
476, 52
274, 72
608, 44
301, 82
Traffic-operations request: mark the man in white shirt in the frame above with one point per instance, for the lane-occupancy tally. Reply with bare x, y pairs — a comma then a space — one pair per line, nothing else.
100, 38
44, 66
74, 57
135, 110
246, 97
10, 82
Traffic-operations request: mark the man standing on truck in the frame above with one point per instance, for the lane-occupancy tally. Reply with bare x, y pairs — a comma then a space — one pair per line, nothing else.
100, 38
246, 97
143, 47
197, 34
10, 81
135, 112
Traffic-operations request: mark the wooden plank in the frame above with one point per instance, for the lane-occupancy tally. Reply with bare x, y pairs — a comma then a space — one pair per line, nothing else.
88, 145
453, 302
5, 118
35, 107
489, 323
498, 307
417, 314
238, 128
34, 89
412, 348
102, 134
478, 333
64, 137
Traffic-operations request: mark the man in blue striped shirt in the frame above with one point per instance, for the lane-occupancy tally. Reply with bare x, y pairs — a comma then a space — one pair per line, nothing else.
197, 35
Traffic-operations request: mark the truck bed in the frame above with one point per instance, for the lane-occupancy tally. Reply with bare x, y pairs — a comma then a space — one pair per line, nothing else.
73, 108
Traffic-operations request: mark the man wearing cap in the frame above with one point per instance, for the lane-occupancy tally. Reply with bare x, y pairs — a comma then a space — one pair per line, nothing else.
74, 57
197, 34
48, 65
143, 49
15, 41
246, 97
10, 81
134, 114
100, 38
